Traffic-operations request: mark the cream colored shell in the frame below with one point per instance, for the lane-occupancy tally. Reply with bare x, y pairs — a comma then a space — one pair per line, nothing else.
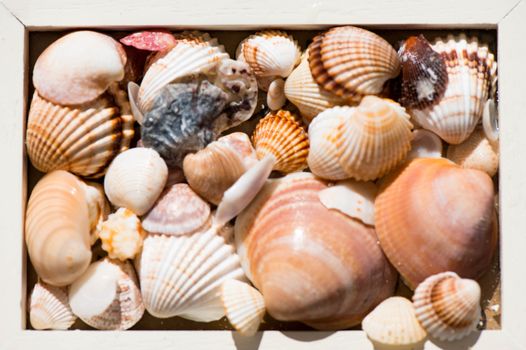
276, 94
49, 307
122, 234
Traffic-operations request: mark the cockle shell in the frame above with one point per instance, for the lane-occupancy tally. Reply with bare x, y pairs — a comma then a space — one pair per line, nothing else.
447, 306
363, 142
135, 179
393, 323
122, 234
328, 276
49, 307
78, 68
276, 94
477, 152
244, 306
211, 171
82, 139
443, 212
472, 78
425, 144
281, 135
107, 296
350, 61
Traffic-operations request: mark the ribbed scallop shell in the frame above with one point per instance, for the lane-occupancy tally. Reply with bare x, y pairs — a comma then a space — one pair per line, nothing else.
363, 142
135, 179
350, 61
442, 211
82, 139
182, 275
49, 307
472, 78
394, 323
211, 171
447, 306
282, 135
194, 53
244, 306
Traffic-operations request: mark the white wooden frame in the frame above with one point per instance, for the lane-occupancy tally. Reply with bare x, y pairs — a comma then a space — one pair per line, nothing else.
18, 17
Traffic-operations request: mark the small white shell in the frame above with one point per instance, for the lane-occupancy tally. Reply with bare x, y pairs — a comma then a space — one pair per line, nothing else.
425, 144
276, 94
49, 307
122, 234
490, 121
244, 306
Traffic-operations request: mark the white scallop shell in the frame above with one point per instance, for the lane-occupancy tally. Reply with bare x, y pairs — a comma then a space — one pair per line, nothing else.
49, 307
244, 306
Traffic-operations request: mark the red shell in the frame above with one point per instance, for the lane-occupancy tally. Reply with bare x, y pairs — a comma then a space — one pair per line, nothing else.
150, 40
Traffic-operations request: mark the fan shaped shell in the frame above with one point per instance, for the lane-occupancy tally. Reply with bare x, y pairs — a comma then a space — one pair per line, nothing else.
49, 307
244, 306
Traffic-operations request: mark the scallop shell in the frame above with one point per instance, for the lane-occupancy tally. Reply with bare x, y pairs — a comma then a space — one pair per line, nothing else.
82, 139
350, 61
58, 228
211, 171
122, 234
472, 78
244, 306
107, 296
328, 276
443, 212
276, 94
363, 142
394, 323
49, 308
281, 135
425, 144
78, 68
447, 306
135, 179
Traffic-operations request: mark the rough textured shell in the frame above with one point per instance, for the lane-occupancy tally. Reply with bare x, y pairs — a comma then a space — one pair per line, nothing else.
363, 142
288, 250
447, 306
282, 135
350, 61
82, 139
49, 307
244, 306
443, 212
477, 152
425, 144
135, 179
122, 234
78, 68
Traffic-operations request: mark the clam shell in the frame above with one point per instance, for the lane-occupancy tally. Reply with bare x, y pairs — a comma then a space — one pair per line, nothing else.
135, 179
78, 68
49, 308
350, 61
57, 230
244, 306
363, 142
328, 276
276, 94
281, 135
122, 234
82, 139
211, 171
447, 306
425, 144
443, 212
394, 323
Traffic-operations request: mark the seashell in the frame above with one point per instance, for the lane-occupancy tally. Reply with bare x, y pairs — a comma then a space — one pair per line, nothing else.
57, 230
490, 122
425, 144
194, 53
211, 171
244, 306
364, 142
82, 139
178, 211
133, 91
158, 40
49, 308
302, 90
350, 61
393, 323
135, 179
288, 250
107, 296
447, 306
472, 78
78, 68
444, 212
98, 208
276, 94
122, 235
281, 135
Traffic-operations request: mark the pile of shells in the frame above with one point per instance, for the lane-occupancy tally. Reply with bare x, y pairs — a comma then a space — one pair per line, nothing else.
340, 189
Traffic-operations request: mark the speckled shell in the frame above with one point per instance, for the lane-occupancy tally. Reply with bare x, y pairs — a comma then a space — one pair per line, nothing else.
350, 61
472, 78
282, 135
49, 307
442, 211
211, 171
363, 142
447, 306
82, 139
328, 276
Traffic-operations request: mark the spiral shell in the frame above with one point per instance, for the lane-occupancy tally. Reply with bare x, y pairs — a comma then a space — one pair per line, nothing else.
477, 152
122, 234
244, 306
49, 308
